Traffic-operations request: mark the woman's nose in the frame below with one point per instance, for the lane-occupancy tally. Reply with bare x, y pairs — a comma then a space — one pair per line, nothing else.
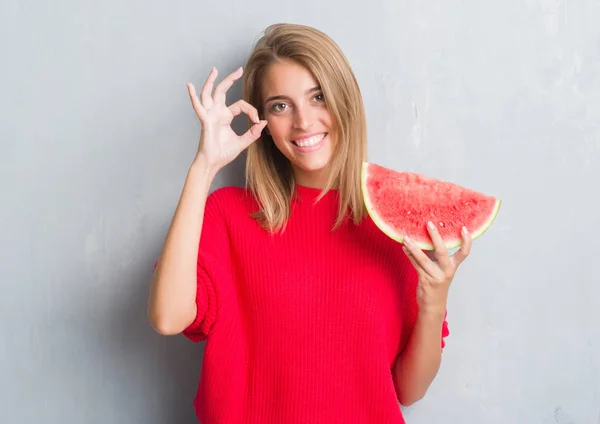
302, 118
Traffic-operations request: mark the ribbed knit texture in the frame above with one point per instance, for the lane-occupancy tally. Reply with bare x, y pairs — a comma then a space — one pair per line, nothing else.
300, 327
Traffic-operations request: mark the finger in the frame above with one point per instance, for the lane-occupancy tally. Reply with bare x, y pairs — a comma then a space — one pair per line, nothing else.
440, 251
198, 108
225, 85
206, 95
253, 133
421, 273
424, 262
245, 107
465, 249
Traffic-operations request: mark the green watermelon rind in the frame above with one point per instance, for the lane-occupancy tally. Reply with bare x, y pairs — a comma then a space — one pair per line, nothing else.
393, 234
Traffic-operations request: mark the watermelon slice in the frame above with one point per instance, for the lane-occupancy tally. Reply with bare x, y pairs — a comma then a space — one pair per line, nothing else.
401, 204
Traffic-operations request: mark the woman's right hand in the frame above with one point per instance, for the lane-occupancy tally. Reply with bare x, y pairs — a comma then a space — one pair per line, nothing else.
219, 144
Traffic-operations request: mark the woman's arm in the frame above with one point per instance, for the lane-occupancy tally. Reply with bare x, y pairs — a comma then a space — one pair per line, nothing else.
172, 303
420, 360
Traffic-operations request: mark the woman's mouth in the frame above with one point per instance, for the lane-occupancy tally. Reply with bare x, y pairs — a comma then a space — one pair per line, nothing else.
309, 144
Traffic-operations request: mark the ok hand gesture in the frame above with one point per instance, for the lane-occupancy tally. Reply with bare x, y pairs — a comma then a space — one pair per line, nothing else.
219, 144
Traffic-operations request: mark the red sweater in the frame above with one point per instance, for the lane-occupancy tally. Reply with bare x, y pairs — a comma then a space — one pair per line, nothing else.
300, 327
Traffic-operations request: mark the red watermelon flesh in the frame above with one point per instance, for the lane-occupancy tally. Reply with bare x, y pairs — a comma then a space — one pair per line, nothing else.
401, 204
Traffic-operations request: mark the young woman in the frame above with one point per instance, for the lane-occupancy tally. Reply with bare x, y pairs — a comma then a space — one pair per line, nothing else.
309, 312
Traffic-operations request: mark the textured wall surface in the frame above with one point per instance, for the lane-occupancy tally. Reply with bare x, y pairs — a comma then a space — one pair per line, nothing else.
97, 133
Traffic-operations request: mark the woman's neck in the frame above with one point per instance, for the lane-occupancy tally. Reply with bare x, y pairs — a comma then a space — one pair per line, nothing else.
312, 179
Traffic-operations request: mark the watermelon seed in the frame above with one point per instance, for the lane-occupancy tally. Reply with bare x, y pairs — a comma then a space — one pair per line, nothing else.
441, 224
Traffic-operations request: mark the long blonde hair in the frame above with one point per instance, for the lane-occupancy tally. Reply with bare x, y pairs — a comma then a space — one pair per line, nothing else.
268, 171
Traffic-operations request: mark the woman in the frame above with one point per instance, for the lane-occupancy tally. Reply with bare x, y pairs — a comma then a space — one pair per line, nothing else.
310, 313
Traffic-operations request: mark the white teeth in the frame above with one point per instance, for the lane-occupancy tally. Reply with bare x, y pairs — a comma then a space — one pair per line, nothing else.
310, 141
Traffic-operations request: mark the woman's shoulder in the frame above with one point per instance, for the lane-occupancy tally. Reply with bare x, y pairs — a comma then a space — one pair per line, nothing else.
230, 197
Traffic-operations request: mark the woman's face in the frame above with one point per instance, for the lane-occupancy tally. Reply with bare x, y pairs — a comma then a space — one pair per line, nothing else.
298, 121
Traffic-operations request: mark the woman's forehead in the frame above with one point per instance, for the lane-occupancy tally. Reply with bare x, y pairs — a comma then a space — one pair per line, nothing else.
287, 79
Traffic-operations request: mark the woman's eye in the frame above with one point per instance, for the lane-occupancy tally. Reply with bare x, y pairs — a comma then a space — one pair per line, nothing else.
320, 97
279, 107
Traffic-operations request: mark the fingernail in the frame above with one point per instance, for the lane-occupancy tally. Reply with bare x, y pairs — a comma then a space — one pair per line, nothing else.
407, 240
430, 225
465, 231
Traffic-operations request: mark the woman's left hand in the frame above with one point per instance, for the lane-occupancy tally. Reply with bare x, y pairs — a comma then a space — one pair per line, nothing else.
436, 270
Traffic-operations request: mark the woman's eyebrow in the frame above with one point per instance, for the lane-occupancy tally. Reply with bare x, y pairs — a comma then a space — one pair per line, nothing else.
281, 97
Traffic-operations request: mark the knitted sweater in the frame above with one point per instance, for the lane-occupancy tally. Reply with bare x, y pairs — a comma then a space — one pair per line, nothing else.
303, 326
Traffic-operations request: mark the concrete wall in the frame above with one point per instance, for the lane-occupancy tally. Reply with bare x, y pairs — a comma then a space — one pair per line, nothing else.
97, 133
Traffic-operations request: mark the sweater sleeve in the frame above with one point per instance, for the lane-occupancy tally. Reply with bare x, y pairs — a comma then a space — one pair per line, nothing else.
213, 268
411, 308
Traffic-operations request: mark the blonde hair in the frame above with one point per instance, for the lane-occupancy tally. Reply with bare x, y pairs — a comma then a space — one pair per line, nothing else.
268, 171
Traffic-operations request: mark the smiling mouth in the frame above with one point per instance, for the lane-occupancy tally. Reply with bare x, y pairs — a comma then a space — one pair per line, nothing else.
309, 141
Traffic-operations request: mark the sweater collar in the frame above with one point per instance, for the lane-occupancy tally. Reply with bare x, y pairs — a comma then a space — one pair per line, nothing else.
309, 193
